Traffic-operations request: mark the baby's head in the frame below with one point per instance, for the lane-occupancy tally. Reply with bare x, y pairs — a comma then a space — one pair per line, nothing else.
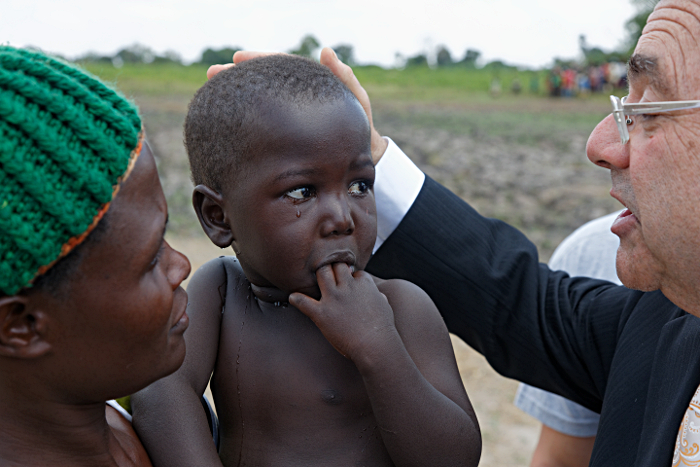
280, 153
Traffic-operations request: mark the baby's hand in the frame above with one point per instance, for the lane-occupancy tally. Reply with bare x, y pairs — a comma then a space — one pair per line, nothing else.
353, 315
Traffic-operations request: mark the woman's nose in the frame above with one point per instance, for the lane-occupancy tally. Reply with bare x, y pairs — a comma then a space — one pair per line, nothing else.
179, 267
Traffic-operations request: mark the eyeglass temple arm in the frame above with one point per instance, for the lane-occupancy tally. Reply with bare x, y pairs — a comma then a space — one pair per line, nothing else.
650, 107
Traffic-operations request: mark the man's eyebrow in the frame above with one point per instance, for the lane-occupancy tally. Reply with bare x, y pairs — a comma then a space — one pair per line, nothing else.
643, 66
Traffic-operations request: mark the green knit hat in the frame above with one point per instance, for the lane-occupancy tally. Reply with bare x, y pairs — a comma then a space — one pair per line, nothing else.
66, 142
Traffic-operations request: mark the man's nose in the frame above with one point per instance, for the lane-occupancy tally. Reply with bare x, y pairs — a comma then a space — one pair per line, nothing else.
337, 218
604, 147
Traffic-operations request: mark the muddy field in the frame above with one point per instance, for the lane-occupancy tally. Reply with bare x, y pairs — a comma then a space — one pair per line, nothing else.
518, 159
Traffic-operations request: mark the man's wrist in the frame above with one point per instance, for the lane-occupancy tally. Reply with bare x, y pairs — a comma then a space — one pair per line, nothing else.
397, 184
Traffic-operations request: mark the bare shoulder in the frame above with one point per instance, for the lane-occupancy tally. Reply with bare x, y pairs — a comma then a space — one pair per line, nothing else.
413, 308
207, 296
215, 275
127, 443
426, 338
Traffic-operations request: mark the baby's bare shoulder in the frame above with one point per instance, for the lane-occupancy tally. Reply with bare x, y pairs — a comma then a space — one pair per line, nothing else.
402, 292
411, 305
211, 282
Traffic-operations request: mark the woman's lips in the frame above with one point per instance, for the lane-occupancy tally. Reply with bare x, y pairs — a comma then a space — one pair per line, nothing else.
181, 325
184, 320
625, 222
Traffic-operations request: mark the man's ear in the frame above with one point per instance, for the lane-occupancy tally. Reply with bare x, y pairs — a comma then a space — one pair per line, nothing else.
22, 331
209, 206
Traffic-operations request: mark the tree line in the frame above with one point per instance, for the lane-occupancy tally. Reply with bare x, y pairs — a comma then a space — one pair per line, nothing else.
438, 57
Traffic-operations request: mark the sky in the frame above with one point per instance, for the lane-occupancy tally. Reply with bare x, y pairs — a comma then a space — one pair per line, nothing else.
519, 32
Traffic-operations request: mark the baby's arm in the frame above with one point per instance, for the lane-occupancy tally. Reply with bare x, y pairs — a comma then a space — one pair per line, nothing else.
168, 414
401, 347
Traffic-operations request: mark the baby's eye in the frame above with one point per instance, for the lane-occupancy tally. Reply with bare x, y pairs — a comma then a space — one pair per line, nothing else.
300, 193
358, 188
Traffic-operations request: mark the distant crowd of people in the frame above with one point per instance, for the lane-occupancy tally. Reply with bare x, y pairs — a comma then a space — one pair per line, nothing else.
570, 82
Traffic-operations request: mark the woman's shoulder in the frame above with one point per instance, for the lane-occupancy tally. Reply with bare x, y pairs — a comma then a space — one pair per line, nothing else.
126, 449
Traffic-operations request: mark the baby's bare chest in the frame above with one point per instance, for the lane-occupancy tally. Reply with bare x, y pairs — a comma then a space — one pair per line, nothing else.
275, 366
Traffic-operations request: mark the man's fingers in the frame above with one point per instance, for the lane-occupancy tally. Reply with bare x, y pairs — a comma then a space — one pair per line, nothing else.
243, 55
238, 57
215, 69
346, 75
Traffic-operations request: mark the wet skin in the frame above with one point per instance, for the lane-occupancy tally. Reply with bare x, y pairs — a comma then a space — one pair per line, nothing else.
332, 385
116, 327
656, 175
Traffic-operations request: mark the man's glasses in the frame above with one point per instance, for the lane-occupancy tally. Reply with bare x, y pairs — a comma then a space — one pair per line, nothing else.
621, 111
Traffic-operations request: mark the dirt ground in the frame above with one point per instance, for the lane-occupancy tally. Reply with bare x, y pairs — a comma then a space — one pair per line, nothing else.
522, 161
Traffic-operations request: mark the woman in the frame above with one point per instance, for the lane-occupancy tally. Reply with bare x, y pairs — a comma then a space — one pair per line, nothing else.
90, 299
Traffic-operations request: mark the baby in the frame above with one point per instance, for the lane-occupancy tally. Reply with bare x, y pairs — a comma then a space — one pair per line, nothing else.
314, 361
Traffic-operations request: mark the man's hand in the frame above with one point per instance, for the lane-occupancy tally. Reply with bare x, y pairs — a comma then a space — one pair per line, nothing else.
339, 69
353, 315
345, 74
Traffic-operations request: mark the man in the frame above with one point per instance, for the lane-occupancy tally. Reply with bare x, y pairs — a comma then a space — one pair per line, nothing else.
632, 355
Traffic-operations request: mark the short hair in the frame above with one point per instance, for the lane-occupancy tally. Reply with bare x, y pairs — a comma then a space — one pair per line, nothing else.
219, 125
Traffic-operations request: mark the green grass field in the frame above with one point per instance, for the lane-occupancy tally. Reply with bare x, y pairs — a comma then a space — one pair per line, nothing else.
420, 82
455, 99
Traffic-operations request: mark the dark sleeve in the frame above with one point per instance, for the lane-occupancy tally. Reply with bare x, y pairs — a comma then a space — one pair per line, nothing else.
538, 326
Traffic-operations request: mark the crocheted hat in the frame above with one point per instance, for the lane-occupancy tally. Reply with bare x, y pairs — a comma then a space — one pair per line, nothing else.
66, 142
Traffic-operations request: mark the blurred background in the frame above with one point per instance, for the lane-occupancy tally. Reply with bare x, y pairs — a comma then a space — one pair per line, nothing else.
493, 98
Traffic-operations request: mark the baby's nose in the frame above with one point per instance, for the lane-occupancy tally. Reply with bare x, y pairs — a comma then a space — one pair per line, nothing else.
337, 218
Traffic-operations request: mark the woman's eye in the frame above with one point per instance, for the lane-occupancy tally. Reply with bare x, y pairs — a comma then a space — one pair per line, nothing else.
156, 259
300, 193
358, 188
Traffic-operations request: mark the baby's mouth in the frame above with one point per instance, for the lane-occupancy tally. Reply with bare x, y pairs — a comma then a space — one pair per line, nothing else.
346, 256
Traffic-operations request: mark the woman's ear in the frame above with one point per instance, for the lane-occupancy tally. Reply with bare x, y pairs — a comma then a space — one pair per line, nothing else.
209, 206
22, 330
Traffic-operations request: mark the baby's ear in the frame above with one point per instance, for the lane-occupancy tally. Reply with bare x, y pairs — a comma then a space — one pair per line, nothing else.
22, 330
209, 206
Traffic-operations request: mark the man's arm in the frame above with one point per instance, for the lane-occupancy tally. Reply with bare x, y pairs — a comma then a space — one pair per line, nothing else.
405, 358
532, 324
556, 449
168, 414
